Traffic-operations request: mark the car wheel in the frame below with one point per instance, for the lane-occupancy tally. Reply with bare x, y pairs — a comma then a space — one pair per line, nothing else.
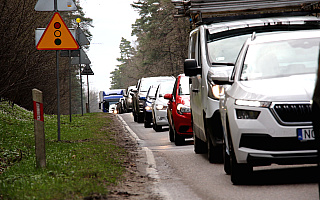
240, 172
134, 117
200, 147
147, 124
226, 160
214, 152
178, 139
140, 118
157, 128
171, 134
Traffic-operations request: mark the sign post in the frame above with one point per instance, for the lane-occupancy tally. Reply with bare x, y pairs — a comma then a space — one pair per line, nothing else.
87, 71
39, 128
56, 37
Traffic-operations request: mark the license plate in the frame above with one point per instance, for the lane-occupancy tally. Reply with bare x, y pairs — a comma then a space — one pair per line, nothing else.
305, 134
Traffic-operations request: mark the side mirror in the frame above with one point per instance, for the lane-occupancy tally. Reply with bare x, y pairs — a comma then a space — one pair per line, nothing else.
168, 96
133, 92
191, 67
221, 77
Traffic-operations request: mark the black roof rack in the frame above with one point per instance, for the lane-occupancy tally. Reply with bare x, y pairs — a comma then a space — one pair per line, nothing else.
208, 11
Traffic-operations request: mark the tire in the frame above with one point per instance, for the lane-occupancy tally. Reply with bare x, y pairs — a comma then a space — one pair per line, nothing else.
200, 147
178, 139
240, 173
134, 117
157, 128
226, 160
140, 118
171, 134
147, 124
215, 154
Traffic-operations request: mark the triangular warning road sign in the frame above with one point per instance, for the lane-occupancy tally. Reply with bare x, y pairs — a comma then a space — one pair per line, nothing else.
57, 36
87, 70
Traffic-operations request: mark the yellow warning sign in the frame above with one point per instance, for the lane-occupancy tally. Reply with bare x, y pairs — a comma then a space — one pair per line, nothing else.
57, 36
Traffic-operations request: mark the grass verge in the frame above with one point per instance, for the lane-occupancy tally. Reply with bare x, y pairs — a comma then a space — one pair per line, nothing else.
84, 163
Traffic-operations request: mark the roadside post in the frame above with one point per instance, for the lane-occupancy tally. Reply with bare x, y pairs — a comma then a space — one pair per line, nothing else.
82, 40
39, 128
56, 37
69, 54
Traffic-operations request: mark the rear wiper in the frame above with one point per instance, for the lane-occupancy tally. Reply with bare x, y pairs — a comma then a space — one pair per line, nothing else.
228, 64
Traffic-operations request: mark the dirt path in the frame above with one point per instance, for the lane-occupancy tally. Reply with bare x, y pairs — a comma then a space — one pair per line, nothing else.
135, 184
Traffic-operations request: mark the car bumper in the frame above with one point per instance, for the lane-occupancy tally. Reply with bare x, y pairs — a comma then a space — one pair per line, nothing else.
182, 124
264, 141
161, 117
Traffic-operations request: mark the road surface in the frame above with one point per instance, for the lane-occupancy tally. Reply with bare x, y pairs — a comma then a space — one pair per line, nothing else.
185, 175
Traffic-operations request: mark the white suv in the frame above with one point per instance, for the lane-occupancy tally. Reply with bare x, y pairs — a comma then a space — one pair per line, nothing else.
266, 112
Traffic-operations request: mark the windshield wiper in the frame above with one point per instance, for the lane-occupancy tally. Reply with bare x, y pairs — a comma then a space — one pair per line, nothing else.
228, 64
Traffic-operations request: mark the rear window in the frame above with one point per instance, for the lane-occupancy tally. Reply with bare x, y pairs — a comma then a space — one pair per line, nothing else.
146, 83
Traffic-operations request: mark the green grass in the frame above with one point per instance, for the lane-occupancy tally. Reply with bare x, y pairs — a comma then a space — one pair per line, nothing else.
85, 162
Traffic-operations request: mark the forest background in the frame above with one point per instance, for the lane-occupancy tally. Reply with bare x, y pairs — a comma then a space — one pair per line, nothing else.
160, 50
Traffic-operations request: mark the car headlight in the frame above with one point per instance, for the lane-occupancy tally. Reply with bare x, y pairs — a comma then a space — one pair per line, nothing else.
183, 109
160, 107
247, 114
264, 104
214, 91
148, 108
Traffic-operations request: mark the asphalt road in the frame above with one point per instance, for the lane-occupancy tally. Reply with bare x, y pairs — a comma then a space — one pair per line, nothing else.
185, 175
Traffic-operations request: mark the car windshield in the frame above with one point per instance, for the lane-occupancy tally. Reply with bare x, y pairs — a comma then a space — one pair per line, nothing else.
184, 86
281, 58
166, 88
225, 50
146, 83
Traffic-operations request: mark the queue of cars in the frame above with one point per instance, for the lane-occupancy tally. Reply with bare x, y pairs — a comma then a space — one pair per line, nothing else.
248, 100
161, 101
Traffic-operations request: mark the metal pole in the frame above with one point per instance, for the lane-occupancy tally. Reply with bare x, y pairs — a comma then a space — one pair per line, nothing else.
88, 94
81, 91
55, 5
58, 89
58, 95
78, 36
70, 85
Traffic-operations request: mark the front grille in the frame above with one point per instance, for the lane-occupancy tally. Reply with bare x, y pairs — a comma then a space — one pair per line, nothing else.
292, 113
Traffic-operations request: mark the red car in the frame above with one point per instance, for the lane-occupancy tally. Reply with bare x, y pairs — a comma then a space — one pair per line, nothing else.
178, 111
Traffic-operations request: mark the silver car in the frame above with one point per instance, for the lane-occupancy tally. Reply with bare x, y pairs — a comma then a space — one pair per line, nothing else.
160, 104
266, 111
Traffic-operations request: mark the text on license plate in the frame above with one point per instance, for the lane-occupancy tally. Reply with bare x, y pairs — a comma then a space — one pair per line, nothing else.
305, 134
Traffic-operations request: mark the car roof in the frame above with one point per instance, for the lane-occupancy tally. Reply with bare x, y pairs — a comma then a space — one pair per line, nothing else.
238, 24
158, 77
288, 35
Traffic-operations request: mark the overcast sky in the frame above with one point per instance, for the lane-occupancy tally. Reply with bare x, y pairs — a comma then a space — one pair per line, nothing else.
111, 20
